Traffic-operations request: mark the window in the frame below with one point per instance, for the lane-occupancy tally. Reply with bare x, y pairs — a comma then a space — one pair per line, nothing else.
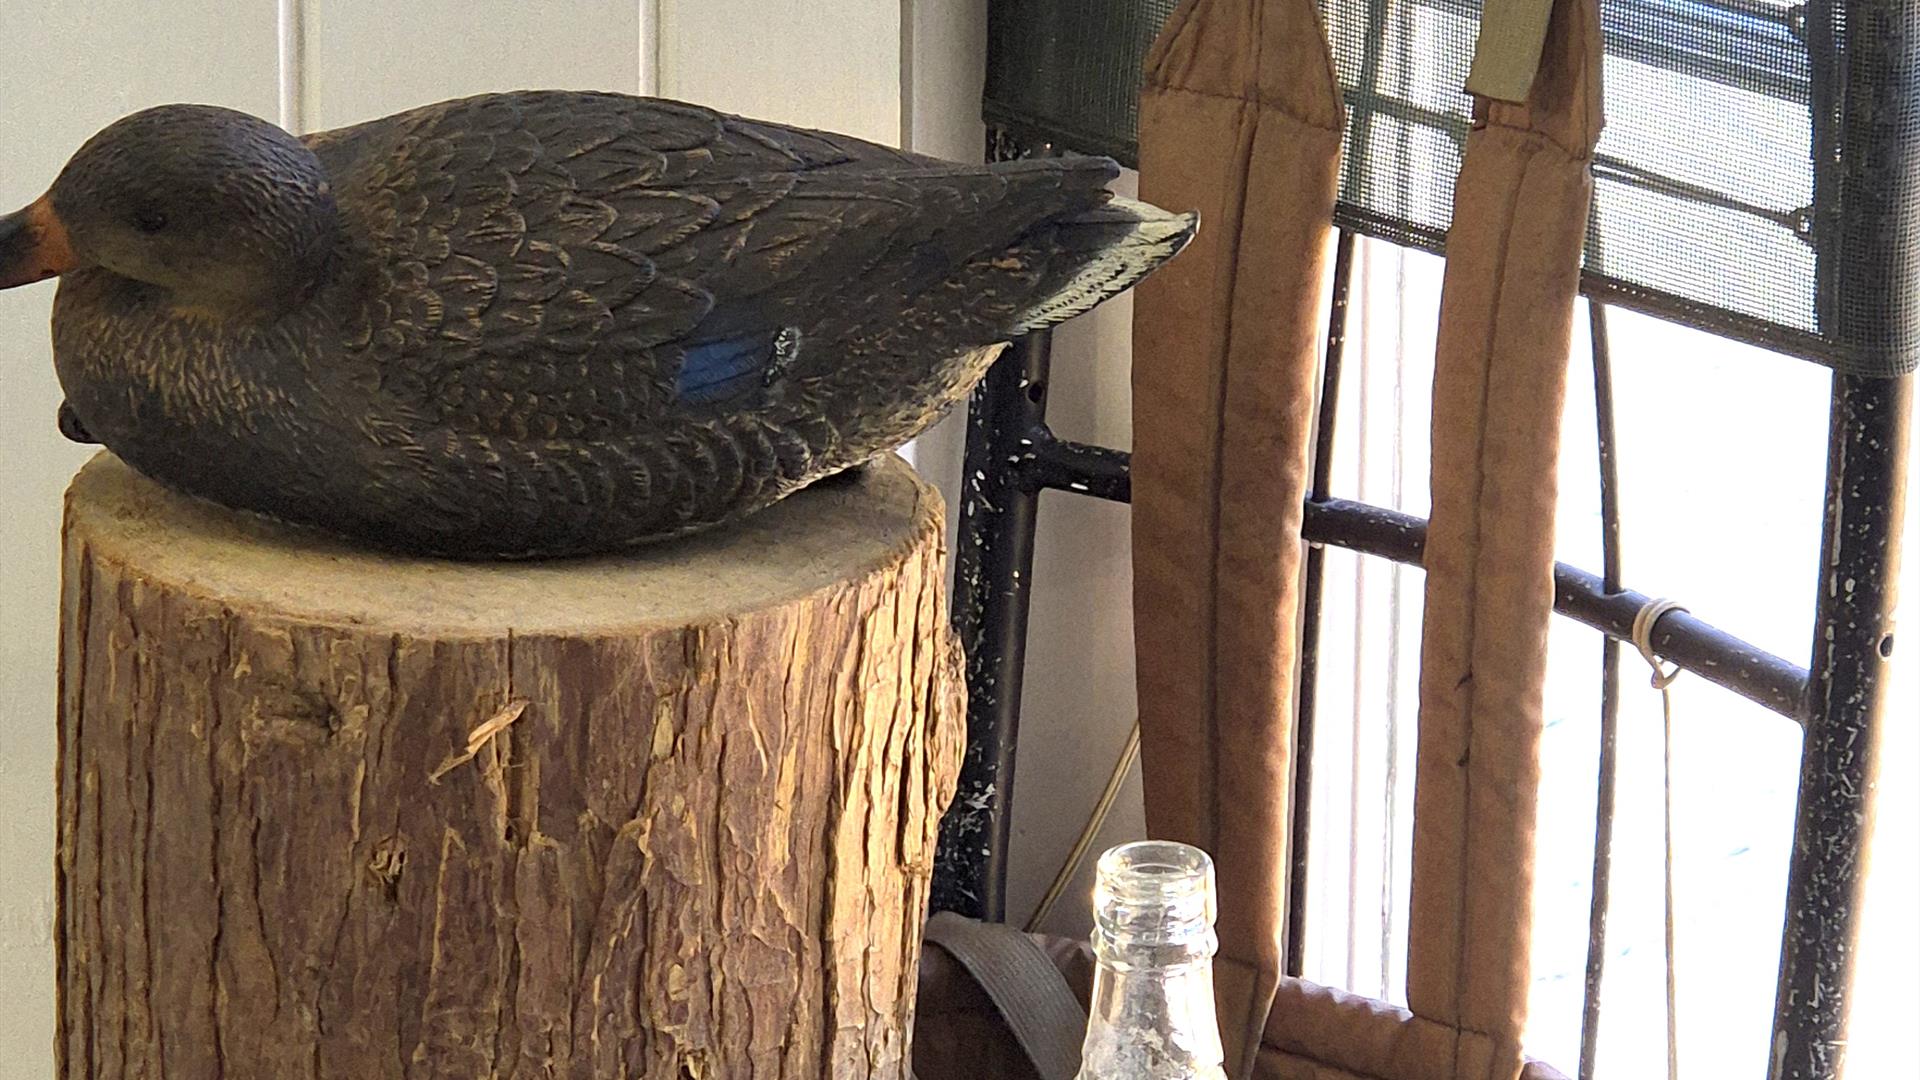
1722, 458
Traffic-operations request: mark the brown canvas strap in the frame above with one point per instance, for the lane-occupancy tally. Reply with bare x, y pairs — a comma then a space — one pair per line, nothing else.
1318, 1033
1241, 120
1513, 259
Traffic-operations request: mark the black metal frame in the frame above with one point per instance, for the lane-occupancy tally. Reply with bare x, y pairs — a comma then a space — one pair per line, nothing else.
1864, 175
1012, 457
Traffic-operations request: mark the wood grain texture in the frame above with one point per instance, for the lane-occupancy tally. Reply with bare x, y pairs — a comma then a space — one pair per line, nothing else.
702, 850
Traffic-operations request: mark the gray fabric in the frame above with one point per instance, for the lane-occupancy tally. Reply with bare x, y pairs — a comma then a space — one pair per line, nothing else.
1024, 985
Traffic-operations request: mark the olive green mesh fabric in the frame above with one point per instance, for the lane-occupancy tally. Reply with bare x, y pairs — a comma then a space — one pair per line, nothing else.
1759, 176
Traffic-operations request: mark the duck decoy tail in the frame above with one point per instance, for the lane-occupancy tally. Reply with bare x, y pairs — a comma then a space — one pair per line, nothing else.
1125, 240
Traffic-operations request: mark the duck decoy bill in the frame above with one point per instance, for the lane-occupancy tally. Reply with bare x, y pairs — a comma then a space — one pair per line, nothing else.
33, 246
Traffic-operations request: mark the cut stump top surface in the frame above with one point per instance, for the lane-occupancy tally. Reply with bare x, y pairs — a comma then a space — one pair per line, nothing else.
843, 531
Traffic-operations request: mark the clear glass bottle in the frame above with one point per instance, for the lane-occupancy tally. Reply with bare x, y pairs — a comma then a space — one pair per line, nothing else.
1153, 1016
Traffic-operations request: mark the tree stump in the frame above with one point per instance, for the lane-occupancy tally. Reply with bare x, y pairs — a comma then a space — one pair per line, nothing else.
328, 814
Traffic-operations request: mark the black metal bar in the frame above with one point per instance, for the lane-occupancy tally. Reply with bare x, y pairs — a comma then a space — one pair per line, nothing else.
1044, 462
1846, 711
992, 574
1681, 638
1865, 59
1615, 170
1608, 771
1695, 645
1310, 604
1866, 179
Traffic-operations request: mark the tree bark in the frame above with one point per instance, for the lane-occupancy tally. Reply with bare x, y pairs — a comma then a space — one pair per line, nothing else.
326, 814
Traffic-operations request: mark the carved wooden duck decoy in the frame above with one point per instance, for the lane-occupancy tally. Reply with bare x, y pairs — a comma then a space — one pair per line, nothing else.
541, 323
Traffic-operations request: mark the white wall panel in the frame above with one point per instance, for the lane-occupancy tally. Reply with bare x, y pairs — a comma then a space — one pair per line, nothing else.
72, 66
831, 64
365, 59
944, 62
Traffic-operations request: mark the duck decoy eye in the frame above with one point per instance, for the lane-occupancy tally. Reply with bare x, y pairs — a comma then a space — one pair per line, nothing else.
149, 221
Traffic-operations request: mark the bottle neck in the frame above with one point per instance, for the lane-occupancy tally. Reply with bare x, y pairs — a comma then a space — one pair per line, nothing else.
1153, 1012
1150, 1021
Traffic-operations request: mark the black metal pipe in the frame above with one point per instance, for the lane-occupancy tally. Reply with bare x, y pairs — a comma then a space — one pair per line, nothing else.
1695, 645
1044, 462
1312, 588
1680, 637
1608, 767
1865, 60
1846, 712
992, 576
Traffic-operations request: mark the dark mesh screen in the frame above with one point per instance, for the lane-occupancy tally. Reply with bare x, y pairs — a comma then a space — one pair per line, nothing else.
1709, 207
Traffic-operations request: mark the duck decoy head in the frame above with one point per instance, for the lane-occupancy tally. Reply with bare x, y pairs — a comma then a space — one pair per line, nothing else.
223, 210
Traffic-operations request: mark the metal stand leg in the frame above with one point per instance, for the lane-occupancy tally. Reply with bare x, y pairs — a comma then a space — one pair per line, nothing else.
1846, 709
992, 576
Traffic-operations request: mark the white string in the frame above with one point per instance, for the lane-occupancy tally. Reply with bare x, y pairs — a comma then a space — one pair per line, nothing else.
1098, 818
1644, 622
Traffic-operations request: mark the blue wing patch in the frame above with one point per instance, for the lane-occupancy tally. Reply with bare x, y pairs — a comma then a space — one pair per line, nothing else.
716, 371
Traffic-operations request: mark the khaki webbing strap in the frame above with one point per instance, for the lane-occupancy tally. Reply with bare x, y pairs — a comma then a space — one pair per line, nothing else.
1241, 120
1025, 987
1506, 56
1513, 262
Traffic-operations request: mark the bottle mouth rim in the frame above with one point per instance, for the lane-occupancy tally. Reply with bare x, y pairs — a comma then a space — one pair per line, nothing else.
1156, 866
1156, 896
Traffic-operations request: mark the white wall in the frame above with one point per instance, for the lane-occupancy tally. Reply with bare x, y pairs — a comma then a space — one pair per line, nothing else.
356, 60
833, 64
71, 67
899, 71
